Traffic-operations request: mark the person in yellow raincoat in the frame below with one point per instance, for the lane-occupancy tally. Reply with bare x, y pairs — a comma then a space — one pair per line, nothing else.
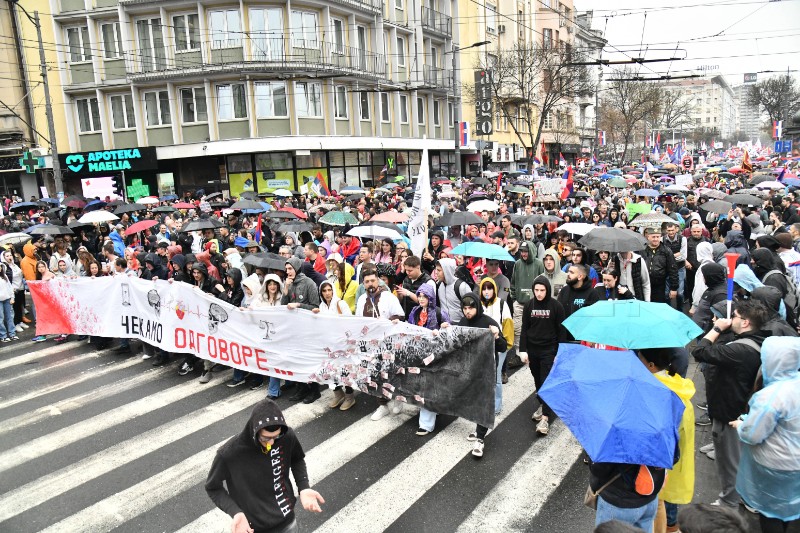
679, 486
340, 274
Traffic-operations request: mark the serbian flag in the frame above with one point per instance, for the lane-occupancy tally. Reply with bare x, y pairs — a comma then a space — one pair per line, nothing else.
747, 166
594, 160
561, 161
658, 139
781, 175
601, 138
258, 229
319, 181
777, 129
569, 185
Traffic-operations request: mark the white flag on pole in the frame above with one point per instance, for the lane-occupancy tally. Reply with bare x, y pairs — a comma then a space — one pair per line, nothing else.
418, 218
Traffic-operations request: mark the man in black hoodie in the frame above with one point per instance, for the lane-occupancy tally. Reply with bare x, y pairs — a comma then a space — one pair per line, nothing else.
541, 332
576, 293
254, 467
153, 263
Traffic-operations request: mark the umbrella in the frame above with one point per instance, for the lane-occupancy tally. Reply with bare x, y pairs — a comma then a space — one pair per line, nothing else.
54, 201
338, 218
49, 229
483, 205
375, 232
480, 180
282, 192
390, 216
617, 183
478, 195
744, 199
577, 228
249, 205
326, 207
246, 195
184, 205
94, 205
613, 240
266, 260
615, 171
202, 192
482, 249
14, 238
712, 193
93, 217
352, 190
129, 208
653, 219
294, 225
164, 209
141, 226
519, 190
280, 215
23, 205
647, 192
168, 198
296, 212
75, 203
771, 185
76, 224
460, 218
760, 179
632, 324
201, 224
116, 203
541, 219
717, 206
149, 200
614, 406
581, 194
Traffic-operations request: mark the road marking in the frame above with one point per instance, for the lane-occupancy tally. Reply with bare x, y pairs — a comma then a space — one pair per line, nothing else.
32, 356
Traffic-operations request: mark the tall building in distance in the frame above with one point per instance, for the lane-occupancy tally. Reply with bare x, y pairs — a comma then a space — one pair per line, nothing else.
713, 109
749, 119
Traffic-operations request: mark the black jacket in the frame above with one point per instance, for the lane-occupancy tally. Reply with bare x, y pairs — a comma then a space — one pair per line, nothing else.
480, 320
412, 286
717, 291
257, 480
541, 323
158, 271
662, 267
736, 364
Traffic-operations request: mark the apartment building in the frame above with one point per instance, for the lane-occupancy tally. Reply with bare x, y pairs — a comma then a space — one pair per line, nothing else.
749, 119
713, 105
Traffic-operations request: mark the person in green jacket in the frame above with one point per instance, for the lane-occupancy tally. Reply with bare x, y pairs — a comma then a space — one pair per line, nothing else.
527, 268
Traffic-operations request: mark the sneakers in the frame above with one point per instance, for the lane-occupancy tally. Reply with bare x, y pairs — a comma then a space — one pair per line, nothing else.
703, 420
750, 509
5, 339
185, 369
14, 338
472, 437
703, 406
146, 356
19, 328
422, 432
712, 455
537, 415
379, 413
39, 338
205, 377
60, 338
259, 386
397, 407
235, 383
23, 325
477, 448
349, 401
707, 448
338, 398
543, 426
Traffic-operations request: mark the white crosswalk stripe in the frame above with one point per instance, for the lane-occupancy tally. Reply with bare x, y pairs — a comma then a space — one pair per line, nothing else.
31, 490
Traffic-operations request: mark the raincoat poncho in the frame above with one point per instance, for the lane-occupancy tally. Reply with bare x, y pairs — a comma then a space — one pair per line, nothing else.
679, 486
769, 469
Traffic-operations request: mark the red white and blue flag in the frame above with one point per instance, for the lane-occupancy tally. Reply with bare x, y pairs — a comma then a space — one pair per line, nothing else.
561, 161
463, 133
594, 160
601, 138
569, 186
319, 187
777, 129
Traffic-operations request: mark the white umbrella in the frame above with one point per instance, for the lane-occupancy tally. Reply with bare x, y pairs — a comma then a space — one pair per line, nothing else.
375, 232
448, 194
577, 228
770, 185
150, 200
282, 192
93, 217
676, 188
483, 205
14, 238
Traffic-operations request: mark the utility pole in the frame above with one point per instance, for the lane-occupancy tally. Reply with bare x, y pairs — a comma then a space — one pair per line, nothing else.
48, 108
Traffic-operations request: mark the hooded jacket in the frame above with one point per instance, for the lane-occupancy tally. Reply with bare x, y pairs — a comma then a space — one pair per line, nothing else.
436, 315
771, 298
427, 264
481, 320
350, 286
705, 254
257, 479
260, 297
119, 244
337, 305
736, 243
767, 262
205, 258
302, 290
769, 468
179, 273
541, 323
28, 263
252, 283
233, 294
206, 284
557, 278
450, 290
714, 276
158, 271
495, 308
524, 274
679, 486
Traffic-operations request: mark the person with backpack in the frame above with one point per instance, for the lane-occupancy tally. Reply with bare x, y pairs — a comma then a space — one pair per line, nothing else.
498, 310
449, 288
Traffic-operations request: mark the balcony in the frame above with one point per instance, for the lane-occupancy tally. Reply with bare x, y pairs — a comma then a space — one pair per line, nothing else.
367, 6
268, 54
436, 22
437, 78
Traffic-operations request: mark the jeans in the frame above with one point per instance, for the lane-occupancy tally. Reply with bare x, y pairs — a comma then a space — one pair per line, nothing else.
498, 387
672, 513
681, 284
274, 386
641, 517
238, 375
427, 419
7, 327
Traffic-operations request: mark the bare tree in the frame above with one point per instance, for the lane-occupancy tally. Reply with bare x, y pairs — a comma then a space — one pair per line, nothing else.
676, 110
634, 101
778, 97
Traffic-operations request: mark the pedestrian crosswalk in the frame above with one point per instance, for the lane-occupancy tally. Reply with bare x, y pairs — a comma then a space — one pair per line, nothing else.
94, 442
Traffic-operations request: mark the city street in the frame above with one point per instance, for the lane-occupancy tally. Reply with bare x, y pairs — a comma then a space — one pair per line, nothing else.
94, 441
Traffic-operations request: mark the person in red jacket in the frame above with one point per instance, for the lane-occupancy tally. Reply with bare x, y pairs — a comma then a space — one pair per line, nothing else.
315, 258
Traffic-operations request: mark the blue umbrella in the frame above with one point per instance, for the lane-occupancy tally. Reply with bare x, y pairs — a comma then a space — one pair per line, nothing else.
54, 201
647, 192
618, 411
168, 198
616, 171
606, 176
482, 249
94, 205
264, 205
23, 205
632, 324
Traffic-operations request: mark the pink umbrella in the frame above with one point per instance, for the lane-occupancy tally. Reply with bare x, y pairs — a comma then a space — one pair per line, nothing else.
141, 226
390, 216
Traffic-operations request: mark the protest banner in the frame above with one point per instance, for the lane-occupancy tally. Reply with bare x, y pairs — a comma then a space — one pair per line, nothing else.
638, 209
452, 372
684, 179
548, 186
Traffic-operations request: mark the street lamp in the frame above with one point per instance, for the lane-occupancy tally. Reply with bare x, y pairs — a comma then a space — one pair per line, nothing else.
457, 103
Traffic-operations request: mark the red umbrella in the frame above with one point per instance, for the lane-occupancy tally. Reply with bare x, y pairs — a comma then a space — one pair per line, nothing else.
184, 205
80, 204
141, 226
296, 212
735, 170
390, 216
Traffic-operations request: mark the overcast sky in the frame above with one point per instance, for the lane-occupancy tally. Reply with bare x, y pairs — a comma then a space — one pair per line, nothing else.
732, 37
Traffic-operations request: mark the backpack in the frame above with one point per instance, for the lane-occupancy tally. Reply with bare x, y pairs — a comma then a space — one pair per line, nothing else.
792, 298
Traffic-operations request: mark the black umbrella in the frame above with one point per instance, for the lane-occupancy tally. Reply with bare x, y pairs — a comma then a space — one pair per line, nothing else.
280, 214
54, 212
294, 225
266, 260
542, 219
480, 195
201, 224
50, 229
460, 218
744, 199
480, 181
717, 206
23, 205
218, 205
247, 204
212, 195
129, 208
249, 195
613, 240
581, 194
164, 209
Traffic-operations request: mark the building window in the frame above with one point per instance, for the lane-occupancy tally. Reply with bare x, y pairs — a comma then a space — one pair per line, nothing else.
548, 121
231, 101
271, 99
88, 115
266, 37
308, 99
341, 101
421, 111
403, 109
491, 18
401, 52
79, 47
122, 112
193, 105
226, 28
436, 112
151, 44
398, 4
384, 107
187, 32
156, 107
363, 99
338, 36
304, 29
112, 42
547, 38
450, 113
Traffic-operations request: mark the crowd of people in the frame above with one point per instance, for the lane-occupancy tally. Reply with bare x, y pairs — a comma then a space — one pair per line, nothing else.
287, 256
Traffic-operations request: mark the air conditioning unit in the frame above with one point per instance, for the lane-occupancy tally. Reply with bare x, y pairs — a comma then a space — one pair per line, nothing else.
501, 28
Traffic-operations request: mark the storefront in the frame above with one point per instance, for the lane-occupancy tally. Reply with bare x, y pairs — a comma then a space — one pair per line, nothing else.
127, 173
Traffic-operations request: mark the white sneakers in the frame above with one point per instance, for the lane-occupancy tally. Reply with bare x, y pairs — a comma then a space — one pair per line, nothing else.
477, 448
380, 412
392, 407
537, 415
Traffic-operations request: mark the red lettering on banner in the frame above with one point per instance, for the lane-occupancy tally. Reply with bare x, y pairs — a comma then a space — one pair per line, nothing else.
246, 352
212, 341
200, 340
192, 341
235, 354
180, 338
223, 350
284, 372
261, 360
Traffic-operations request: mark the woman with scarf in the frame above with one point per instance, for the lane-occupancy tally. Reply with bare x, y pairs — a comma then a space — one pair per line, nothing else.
429, 316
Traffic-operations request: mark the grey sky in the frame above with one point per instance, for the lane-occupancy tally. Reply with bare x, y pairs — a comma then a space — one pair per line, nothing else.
757, 35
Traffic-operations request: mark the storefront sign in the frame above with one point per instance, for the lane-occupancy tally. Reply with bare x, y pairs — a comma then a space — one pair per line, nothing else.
105, 161
279, 184
484, 104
